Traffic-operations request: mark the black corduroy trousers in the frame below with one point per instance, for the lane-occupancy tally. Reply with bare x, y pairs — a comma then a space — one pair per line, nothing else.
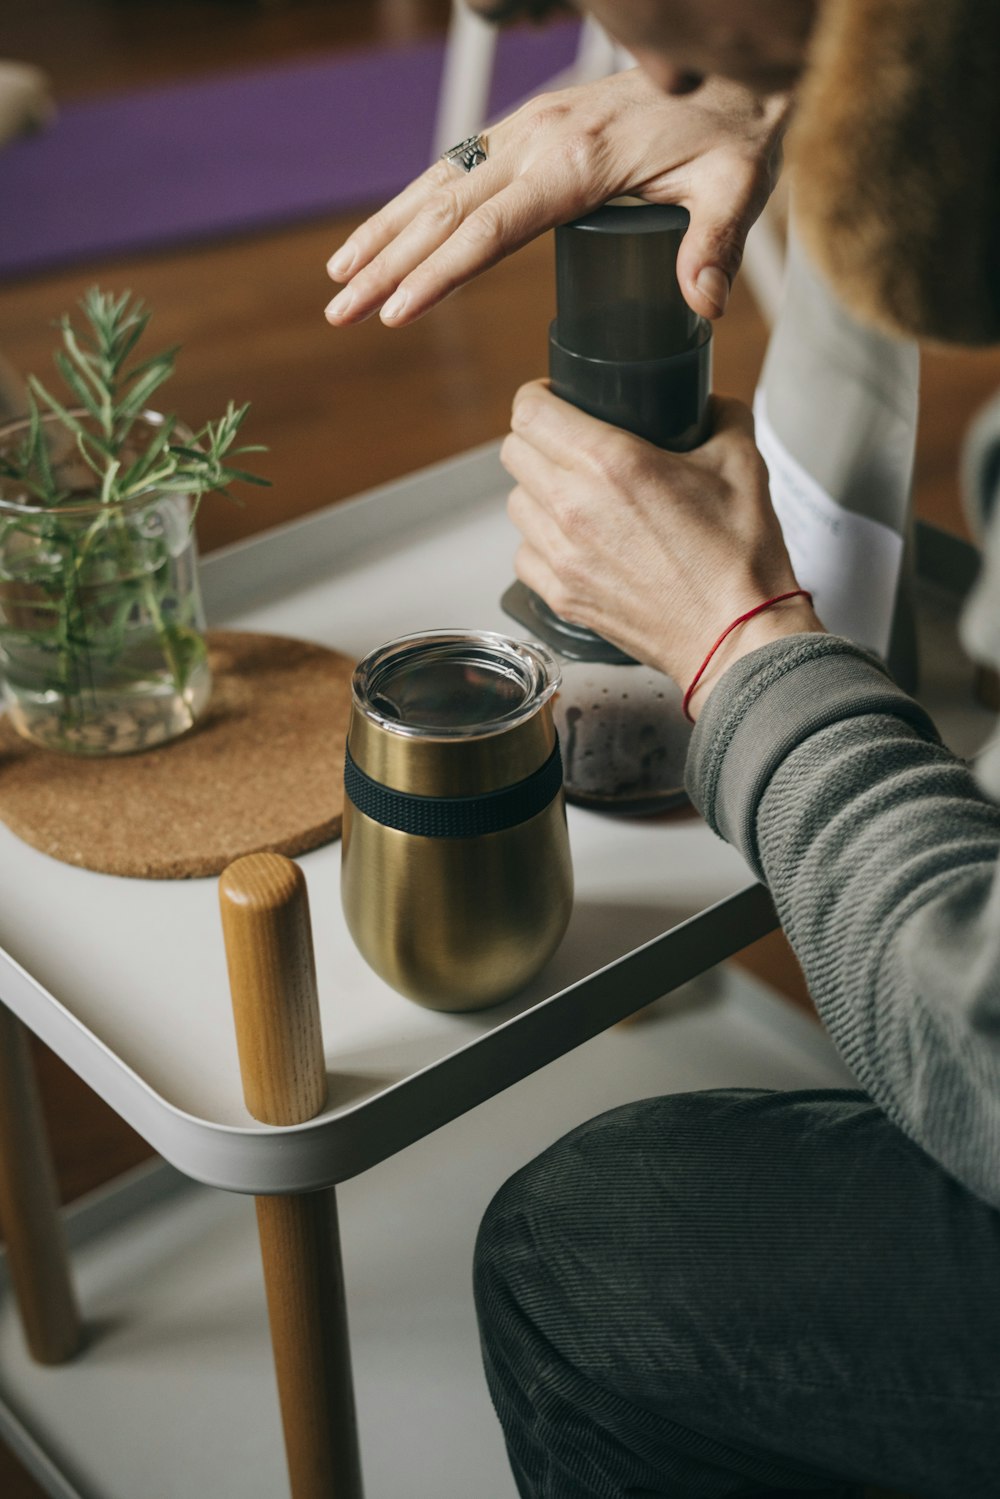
742, 1293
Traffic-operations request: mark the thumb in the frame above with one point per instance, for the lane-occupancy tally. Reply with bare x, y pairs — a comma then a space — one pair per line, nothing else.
711, 251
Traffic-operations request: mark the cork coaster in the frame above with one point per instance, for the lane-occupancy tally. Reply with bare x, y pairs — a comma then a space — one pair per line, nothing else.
263, 770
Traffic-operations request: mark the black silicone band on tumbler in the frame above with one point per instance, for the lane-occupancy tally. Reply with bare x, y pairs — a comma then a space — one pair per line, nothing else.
455, 816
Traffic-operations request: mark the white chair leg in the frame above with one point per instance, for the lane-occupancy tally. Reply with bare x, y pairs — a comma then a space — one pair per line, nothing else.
25, 100
469, 58
465, 82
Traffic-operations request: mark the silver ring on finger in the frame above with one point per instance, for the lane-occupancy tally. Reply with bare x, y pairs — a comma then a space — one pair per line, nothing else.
468, 154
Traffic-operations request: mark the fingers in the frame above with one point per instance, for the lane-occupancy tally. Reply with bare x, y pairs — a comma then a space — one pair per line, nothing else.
456, 235
551, 427
723, 211
375, 233
553, 512
538, 479
502, 224
726, 415
414, 233
533, 570
537, 527
573, 440
552, 439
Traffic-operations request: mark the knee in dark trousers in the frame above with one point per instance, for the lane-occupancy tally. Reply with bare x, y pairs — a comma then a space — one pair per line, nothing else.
702, 1295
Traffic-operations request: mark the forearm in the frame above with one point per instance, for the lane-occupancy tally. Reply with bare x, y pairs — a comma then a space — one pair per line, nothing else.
881, 853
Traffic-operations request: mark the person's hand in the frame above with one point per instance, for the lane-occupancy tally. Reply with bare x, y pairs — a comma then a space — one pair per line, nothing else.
658, 552
716, 151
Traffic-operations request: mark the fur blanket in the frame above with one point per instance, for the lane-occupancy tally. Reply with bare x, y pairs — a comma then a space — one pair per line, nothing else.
897, 156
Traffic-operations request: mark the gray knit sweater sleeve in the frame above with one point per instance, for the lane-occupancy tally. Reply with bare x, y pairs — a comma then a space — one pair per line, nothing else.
881, 852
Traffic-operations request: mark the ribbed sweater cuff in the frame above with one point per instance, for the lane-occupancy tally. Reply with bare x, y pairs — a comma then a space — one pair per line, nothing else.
766, 704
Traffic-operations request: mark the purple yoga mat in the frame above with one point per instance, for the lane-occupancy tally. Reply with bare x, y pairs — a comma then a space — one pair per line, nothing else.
164, 166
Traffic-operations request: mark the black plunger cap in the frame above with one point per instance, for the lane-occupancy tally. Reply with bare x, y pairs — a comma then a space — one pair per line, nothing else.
617, 295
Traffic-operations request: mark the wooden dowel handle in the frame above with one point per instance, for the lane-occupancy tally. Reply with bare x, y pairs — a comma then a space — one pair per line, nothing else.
29, 1208
272, 975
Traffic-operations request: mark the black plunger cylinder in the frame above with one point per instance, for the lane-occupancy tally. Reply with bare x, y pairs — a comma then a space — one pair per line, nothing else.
624, 345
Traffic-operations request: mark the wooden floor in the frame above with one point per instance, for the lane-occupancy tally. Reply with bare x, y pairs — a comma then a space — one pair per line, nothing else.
342, 410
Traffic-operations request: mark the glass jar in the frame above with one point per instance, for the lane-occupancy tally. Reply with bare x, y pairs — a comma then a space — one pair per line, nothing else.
621, 726
102, 648
624, 738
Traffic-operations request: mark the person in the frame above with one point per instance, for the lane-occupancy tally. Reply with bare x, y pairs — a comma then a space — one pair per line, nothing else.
744, 1292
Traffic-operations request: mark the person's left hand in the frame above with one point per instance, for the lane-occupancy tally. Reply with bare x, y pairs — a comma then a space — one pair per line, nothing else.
658, 552
716, 151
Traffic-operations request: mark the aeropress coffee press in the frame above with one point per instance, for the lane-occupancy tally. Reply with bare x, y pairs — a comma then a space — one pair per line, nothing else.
624, 347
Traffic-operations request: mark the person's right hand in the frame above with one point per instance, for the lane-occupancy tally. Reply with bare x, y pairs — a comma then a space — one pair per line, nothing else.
658, 552
716, 151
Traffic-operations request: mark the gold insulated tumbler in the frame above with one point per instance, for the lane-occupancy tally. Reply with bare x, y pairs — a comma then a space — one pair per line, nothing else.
457, 884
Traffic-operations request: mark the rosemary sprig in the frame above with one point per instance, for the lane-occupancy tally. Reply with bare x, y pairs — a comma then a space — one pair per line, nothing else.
109, 397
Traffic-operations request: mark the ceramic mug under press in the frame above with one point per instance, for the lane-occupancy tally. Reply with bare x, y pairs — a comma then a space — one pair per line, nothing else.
457, 883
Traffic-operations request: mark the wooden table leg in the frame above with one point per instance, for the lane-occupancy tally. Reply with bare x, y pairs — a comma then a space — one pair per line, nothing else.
300, 1247
265, 922
29, 1207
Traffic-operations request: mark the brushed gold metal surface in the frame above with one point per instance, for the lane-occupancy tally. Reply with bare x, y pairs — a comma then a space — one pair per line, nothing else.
457, 923
430, 766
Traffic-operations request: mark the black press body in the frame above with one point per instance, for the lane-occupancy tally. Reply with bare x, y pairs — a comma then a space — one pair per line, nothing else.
625, 347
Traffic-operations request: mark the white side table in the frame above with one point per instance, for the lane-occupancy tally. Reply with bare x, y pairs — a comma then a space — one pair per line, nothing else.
126, 980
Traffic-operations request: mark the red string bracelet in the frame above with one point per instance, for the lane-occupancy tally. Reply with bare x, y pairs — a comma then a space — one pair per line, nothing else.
779, 598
